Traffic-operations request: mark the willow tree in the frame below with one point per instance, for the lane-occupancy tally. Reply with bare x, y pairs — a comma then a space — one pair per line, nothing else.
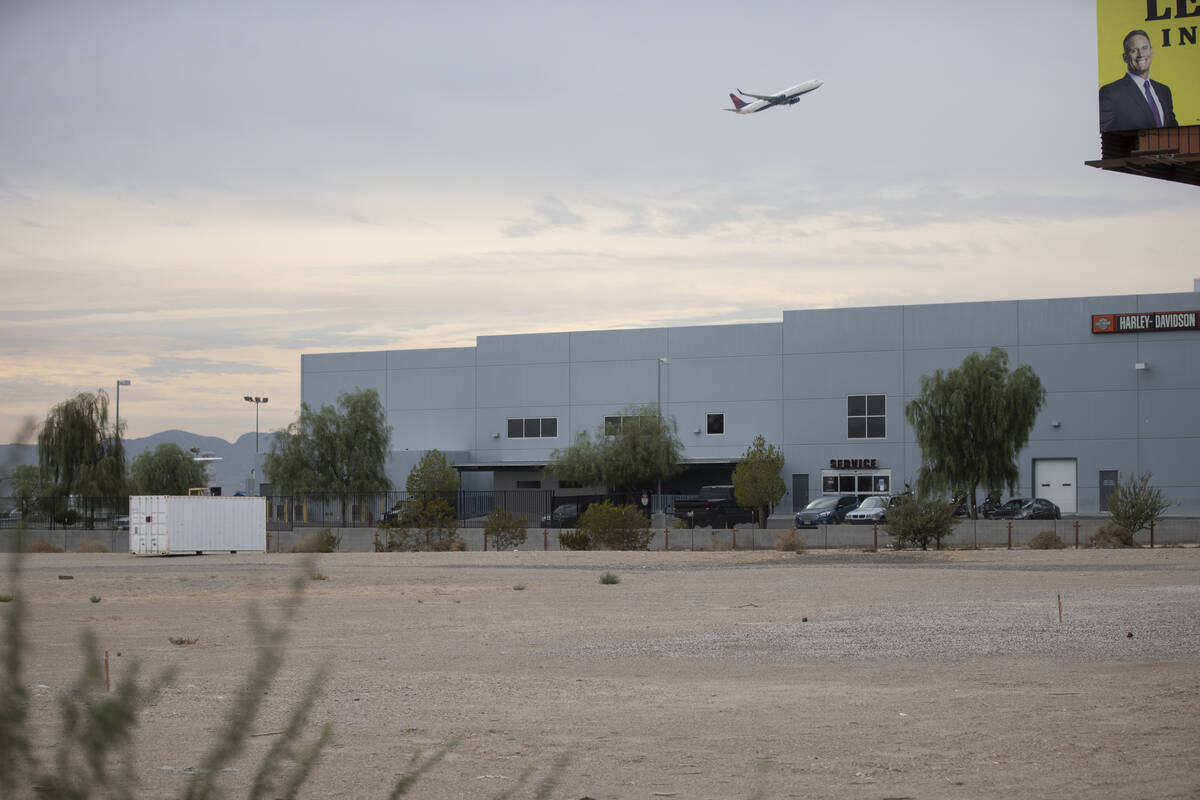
78, 452
632, 451
332, 452
972, 422
168, 469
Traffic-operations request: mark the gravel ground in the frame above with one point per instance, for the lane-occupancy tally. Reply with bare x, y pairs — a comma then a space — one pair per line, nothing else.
698, 675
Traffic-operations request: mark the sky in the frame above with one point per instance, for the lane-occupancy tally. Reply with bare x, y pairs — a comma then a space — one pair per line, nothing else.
194, 193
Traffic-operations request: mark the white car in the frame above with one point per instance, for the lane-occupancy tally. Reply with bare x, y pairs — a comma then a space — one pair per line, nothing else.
869, 511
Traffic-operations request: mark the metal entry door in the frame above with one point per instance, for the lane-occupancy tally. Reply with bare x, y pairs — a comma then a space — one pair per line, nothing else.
1108, 485
799, 492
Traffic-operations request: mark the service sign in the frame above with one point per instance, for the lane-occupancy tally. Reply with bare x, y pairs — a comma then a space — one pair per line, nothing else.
1146, 323
1154, 42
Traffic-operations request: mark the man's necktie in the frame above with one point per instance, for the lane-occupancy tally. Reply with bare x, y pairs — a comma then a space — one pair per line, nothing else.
1153, 105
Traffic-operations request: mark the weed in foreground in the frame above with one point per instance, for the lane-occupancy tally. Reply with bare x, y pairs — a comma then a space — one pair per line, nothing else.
609, 578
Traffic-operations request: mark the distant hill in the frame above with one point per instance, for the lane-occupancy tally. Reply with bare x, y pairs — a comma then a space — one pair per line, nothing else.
231, 472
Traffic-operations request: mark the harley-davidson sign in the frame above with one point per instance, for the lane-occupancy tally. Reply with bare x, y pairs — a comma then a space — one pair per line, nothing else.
1146, 323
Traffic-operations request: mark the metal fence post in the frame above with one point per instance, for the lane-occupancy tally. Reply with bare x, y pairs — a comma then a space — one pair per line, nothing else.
1010, 536
1076, 534
1151, 535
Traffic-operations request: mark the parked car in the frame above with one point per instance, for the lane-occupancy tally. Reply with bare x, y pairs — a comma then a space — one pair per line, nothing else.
871, 510
563, 516
714, 507
1009, 509
121, 522
828, 510
1038, 508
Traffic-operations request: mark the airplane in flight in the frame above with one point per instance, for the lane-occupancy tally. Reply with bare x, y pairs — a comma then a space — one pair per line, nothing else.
787, 97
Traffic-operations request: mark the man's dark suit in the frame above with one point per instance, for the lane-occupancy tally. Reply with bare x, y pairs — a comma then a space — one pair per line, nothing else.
1123, 106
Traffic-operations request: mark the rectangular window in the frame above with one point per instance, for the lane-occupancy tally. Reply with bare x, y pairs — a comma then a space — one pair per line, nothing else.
614, 425
866, 416
716, 424
533, 428
529, 484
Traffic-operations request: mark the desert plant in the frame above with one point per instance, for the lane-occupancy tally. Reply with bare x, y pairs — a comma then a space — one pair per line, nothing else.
322, 541
1111, 536
42, 546
92, 546
317, 575
609, 578
1046, 540
789, 542
615, 527
6, 598
917, 522
95, 598
518, 587
1135, 504
506, 531
574, 540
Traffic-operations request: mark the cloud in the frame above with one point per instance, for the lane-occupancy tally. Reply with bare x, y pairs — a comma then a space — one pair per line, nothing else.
174, 366
549, 213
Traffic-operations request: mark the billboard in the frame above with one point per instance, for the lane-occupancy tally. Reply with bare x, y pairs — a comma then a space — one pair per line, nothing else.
1149, 63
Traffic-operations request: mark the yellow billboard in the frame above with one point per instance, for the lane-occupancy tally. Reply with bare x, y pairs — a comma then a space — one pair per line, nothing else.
1149, 63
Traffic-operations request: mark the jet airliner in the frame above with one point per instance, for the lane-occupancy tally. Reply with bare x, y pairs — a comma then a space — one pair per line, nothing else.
786, 97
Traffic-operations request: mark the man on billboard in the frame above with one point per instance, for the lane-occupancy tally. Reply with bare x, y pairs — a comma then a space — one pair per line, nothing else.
1134, 101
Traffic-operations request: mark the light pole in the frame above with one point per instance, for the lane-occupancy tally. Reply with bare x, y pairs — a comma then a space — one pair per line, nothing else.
257, 402
120, 383
658, 402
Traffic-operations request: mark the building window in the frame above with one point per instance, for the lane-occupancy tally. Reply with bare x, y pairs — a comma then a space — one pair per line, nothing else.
614, 425
866, 416
533, 428
716, 425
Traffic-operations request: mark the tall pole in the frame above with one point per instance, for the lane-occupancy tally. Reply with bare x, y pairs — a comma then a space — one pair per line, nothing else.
257, 402
658, 388
117, 426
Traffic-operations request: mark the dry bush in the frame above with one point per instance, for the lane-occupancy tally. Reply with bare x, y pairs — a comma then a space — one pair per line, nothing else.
717, 544
1111, 536
789, 542
1046, 540
92, 546
42, 546
322, 541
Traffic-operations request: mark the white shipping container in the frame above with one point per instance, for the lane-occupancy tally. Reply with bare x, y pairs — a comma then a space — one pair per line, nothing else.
177, 524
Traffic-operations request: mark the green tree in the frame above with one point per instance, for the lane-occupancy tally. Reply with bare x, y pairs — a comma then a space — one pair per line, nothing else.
918, 521
78, 452
428, 515
639, 450
972, 422
168, 469
1135, 504
756, 479
332, 452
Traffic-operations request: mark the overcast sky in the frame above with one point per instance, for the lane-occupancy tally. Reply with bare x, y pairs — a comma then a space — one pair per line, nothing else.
192, 194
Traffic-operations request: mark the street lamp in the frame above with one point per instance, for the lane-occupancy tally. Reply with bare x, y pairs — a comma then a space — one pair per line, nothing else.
120, 383
661, 360
257, 402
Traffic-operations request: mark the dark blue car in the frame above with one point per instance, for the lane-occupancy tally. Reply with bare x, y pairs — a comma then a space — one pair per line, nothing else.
828, 510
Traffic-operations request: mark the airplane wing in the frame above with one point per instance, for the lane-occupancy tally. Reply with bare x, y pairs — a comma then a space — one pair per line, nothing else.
771, 97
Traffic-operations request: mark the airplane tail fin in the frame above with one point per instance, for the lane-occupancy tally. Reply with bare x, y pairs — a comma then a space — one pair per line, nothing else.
737, 102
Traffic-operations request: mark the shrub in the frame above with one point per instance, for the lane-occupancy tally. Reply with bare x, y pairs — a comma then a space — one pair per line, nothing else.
92, 546
322, 541
1046, 540
1135, 504
918, 522
789, 542
95, 598
42, 546
614, 527
1111, 536
574, 540
609, 578
5, 598
716, 544
504, 531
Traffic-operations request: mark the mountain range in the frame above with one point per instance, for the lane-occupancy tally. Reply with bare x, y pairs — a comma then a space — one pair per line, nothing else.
229, 469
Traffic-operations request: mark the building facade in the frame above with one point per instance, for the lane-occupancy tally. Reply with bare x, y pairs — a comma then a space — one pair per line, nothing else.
828, 386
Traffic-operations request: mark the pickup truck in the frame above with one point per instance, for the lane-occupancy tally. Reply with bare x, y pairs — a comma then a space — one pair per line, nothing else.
714, 508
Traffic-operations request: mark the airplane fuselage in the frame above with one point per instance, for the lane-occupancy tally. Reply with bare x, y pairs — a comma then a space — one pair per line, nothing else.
784, 97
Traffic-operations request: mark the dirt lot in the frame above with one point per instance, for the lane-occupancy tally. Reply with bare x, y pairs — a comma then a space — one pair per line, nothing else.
698, 675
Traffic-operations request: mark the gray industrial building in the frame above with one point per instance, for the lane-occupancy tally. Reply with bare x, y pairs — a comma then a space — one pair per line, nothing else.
829, 386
